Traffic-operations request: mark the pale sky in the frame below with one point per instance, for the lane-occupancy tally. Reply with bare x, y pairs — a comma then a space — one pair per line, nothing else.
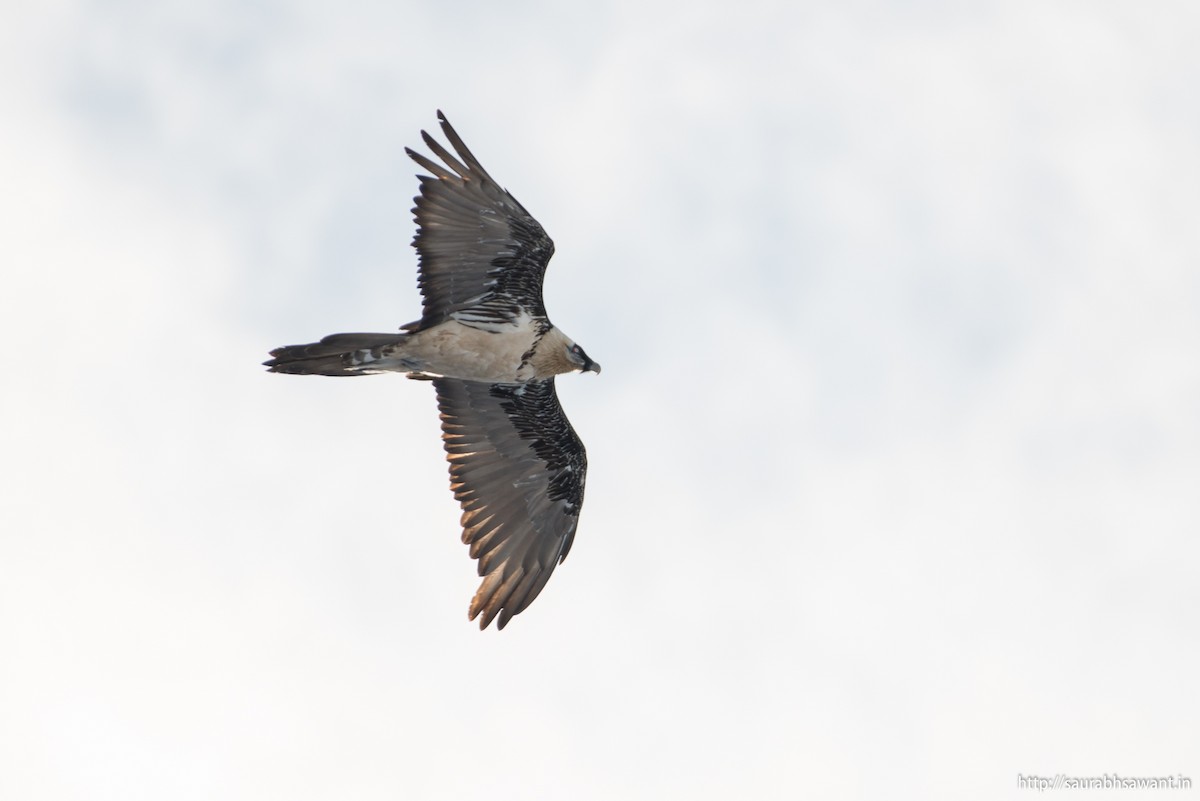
893, 462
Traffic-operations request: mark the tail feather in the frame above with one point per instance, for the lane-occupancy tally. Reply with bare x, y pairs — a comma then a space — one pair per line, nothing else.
336, 354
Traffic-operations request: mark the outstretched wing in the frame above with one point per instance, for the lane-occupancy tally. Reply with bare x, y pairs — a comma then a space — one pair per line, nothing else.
482, 255
517, 468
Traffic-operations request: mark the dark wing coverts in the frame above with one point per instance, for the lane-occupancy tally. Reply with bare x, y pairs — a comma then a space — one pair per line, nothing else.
517, 468
480, 250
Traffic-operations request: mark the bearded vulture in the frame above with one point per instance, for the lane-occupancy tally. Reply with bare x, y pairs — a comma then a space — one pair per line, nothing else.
516, 465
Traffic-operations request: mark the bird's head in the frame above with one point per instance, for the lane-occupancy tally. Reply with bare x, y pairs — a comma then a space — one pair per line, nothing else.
556, 353
580, 359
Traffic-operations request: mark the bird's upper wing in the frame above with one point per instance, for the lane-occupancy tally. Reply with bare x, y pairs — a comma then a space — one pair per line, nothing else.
482, 254
518, 468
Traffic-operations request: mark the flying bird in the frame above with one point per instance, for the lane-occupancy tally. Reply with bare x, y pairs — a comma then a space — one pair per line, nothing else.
517, 467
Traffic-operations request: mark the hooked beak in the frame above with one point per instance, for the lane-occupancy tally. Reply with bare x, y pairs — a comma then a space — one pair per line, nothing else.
592, 367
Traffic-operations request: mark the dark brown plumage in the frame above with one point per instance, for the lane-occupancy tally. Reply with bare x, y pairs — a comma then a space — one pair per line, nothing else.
516, 465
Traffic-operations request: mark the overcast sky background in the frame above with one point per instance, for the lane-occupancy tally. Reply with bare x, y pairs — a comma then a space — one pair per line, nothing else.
893, 462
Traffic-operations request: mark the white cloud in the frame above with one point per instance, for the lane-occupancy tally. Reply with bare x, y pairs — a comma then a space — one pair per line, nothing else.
891, 461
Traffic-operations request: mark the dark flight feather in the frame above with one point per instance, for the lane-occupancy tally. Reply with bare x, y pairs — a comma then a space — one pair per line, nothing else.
480, 251
517, 468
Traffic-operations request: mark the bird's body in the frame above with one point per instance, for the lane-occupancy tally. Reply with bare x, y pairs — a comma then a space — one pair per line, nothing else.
484, 339
510, 352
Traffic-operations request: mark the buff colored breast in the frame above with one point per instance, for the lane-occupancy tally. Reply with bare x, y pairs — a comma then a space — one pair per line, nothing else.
454, 350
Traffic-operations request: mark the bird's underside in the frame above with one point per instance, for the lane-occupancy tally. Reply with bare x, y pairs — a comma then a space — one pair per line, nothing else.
511, 352
517, 467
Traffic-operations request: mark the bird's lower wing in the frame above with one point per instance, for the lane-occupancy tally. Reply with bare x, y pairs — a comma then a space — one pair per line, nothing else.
518, 469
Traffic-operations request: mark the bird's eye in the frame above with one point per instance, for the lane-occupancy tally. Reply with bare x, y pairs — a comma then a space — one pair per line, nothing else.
576, 350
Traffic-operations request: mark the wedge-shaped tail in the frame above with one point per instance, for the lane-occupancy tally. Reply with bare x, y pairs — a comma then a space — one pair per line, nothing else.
336, 354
